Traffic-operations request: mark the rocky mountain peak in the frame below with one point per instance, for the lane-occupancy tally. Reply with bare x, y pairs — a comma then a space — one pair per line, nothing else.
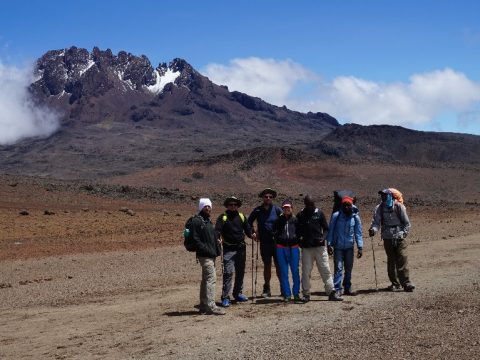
76, 72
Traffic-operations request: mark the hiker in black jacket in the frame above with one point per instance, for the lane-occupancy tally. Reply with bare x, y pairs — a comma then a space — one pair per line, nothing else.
208, 248
312, 229
232, 226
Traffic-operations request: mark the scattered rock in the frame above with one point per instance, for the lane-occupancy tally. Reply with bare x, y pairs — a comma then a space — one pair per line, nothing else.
123, 209
24, 212
178, 214
48, 212
130, 212
85, 209
5, 285
13, 184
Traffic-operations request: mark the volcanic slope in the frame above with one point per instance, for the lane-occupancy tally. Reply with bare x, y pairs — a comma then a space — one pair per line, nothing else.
119, 114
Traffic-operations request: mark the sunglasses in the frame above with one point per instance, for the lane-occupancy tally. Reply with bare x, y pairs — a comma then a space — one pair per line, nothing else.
268, 197
232, 204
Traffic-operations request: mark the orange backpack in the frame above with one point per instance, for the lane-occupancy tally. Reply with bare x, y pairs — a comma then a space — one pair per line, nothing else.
397, 195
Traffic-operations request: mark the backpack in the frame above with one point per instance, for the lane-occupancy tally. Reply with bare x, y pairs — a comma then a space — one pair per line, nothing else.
242, 217
397, 195
188, 240
398, 198
338, 195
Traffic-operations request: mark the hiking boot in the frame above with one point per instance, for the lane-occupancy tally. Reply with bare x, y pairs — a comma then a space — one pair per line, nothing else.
409, 287
334, 296
241, 298
393, 287
215, 311
350, 292
226, 302
306, 298
266, 292
297, 299
287, 299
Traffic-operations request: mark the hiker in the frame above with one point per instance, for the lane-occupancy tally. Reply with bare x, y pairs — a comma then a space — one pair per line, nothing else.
288, 251
312, 226
344, 230
232, 226
391, 216
207, 249
266, 215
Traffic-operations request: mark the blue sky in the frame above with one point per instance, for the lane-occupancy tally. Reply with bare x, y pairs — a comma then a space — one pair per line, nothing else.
413, 63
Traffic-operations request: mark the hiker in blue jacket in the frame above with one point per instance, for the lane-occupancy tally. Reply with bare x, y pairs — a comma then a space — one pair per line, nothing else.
345, 229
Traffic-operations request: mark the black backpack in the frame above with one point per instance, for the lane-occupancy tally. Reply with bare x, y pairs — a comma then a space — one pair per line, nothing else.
188, 240
338, 195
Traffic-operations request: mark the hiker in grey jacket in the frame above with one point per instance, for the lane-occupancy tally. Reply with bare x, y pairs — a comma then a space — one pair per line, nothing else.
390, 216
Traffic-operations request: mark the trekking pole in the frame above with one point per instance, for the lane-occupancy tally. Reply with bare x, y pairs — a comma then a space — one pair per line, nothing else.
256, 271
374, 264
221, 255
253, 249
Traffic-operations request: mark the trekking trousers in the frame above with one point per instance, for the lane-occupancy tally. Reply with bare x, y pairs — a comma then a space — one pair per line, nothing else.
233, 261
207, 287
343, 260
289, 257
397, 262
319, 255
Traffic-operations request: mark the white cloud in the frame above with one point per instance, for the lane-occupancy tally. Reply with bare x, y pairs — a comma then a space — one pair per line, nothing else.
419, 101
268, 79
19, 117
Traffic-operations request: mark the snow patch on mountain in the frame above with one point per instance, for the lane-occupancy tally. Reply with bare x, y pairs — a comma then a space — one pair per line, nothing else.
169, 77
89, 65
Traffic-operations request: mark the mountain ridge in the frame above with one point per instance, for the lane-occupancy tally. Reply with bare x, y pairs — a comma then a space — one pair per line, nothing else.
120, 115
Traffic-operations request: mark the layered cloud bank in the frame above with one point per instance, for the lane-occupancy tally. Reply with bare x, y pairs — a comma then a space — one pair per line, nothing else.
420, 101
19, 117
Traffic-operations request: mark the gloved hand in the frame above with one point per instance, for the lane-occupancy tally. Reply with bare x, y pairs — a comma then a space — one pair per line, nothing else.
371, 232
399, 235
359, 253
330, 250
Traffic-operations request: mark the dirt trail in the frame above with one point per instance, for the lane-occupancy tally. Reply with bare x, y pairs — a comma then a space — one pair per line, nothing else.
123, 305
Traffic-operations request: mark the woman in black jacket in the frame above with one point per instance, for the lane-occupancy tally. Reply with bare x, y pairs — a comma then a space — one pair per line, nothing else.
288, 251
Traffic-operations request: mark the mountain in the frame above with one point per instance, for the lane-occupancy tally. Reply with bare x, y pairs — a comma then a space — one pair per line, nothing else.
395, 144
119, 114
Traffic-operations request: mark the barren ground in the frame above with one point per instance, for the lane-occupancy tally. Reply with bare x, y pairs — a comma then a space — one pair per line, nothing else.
91, 282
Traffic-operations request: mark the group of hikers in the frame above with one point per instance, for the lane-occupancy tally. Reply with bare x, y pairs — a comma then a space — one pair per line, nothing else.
280, 235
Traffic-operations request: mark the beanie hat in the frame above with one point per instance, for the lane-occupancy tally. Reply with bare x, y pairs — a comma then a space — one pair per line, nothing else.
204, 202
347, 200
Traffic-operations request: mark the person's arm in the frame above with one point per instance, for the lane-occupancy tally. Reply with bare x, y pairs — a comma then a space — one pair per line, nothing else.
251, 219
376, 221
299, 229
404, 219
276, 228
330, 233
358, 232
219, 227
247, 228
324, 224
197, 235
